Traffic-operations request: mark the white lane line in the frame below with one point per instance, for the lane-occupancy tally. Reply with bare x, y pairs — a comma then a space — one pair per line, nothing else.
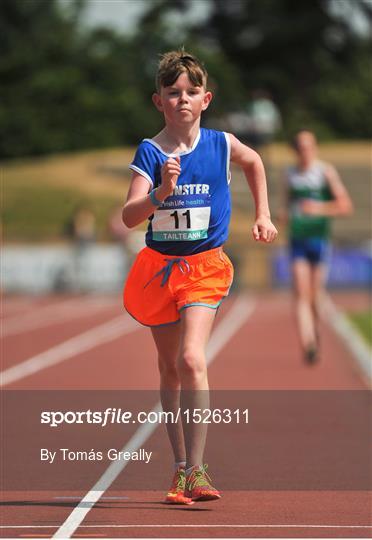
67, 497
98, 335
189, 526
35, 310
51, 314
350, 336
230, 324
10, 307
242, 309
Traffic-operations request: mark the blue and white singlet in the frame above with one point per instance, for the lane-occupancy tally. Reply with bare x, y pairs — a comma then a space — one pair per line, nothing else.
196, 216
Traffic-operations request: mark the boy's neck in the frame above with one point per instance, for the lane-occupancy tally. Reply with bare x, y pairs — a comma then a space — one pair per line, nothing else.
176, 139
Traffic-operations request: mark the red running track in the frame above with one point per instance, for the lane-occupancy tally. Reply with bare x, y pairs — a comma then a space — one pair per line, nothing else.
262, 354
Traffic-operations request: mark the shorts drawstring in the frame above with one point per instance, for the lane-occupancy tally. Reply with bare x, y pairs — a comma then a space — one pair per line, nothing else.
181, 262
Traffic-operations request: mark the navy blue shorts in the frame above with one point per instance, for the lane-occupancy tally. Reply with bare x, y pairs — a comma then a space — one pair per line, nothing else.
313, 250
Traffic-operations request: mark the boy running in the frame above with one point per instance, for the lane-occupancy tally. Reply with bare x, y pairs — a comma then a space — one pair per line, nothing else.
180, 183
314, 194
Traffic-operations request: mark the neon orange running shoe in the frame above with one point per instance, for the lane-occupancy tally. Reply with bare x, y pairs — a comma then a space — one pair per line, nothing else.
198, 485
176, 493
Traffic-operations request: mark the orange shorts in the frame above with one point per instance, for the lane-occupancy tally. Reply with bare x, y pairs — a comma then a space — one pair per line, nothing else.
159, 286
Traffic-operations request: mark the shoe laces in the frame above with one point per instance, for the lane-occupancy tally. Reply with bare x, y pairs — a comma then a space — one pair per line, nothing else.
179, 480
199, 478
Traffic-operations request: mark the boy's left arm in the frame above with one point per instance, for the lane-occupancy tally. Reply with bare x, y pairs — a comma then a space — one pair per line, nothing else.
263, 230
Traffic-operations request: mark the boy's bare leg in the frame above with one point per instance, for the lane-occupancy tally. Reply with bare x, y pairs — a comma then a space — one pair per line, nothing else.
167, 341
303, 291
196, 326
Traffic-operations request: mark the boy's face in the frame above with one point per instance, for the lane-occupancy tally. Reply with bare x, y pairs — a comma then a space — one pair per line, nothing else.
182, 102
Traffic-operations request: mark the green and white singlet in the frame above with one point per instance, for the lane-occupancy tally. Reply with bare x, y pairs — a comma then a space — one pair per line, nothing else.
307, 184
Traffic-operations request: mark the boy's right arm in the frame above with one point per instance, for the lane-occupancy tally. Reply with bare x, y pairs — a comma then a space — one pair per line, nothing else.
139, 205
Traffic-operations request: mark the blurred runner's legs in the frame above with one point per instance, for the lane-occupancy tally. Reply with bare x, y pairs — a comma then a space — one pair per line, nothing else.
314, 193
308, 286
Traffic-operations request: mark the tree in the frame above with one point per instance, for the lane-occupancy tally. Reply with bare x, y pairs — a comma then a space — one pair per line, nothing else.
38, 74
66, 88
306, 54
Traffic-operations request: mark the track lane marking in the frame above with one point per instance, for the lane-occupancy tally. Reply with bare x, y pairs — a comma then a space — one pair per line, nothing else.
230, 324
37, 309
189, 526
98, 335
351, 338
51, 314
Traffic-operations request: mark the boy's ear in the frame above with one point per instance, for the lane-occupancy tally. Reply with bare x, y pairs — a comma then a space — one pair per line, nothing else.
156, 99
207, 99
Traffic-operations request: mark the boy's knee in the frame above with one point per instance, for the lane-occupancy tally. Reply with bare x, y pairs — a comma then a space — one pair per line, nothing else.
192, 364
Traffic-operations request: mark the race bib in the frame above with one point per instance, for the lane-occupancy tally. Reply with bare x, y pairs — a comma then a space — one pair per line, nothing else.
181, 219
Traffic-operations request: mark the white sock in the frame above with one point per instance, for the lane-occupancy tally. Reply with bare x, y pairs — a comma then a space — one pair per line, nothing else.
179, 465
189, 471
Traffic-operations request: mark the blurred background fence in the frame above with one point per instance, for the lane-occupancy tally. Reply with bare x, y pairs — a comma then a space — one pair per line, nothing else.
77, 78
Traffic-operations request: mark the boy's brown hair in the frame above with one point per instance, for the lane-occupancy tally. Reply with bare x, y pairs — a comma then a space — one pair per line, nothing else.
173, 63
